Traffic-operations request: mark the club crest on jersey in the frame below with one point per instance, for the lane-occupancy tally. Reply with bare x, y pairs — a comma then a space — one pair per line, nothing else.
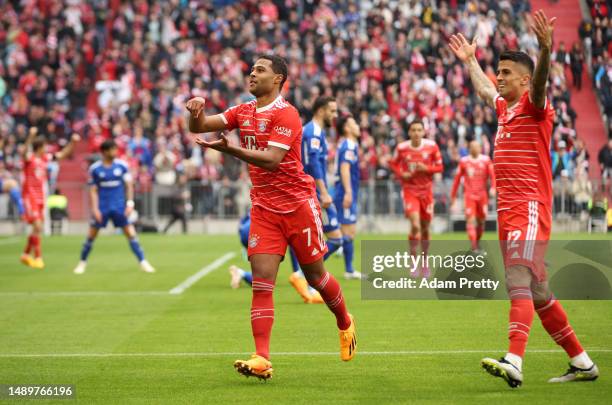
261, 126
425, 155
117, 172
253, 240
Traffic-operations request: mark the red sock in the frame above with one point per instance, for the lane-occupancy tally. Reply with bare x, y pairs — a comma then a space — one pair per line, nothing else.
262, 315
29, 245
479, 231
554, 320
331, 293
425, 244
414, 243
521, 317
36, 242
472, 235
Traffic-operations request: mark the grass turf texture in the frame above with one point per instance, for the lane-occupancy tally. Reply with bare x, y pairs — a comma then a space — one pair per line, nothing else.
189, 341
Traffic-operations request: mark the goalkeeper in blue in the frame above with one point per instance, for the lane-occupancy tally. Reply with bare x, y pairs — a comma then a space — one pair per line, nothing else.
314, 158
112, 198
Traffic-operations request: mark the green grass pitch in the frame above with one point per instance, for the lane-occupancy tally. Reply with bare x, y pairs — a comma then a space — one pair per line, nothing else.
120, 337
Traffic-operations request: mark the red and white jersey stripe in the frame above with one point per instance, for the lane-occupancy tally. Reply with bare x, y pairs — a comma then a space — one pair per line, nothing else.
277, 124
521, 157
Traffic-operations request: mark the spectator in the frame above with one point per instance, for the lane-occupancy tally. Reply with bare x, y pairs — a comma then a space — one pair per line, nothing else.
562, 164
576, 63
164, 161
605, 160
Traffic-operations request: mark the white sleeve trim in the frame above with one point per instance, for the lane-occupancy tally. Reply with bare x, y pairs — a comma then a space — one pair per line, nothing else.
223, 118
279, 145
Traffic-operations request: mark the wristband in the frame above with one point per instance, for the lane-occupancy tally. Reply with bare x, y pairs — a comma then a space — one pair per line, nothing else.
130, 203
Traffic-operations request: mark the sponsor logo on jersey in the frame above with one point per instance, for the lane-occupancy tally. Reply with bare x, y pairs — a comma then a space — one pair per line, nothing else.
110, 183
315, 252
315, 143
250, 142
253, 240
349, 155
117, 172
283, 131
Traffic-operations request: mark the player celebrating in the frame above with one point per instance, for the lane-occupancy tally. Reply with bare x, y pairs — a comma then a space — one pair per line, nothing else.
36, 160
347, 189
314, 155
475, 170
285, 210
524, 185
110, 184
414, 163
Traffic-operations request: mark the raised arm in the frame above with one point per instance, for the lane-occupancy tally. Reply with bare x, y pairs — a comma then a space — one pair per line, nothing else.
27, 146
466, 53
67, 150
543, 28
199, 122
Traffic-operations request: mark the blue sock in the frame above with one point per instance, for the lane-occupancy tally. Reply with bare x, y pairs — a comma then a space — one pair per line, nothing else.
86, 249
333, 244
294, 262
248, 277
348, 250
16, 197
137, 249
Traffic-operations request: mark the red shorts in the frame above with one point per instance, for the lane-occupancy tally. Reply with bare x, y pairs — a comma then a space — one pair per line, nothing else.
34, 209
476, 208
423, 205
301, 229
524, 231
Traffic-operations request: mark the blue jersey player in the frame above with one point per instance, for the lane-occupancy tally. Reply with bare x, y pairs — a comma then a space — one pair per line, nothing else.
314, 157
347, 188
11, 187
111, 193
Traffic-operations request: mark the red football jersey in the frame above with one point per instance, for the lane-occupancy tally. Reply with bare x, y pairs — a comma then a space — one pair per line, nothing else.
405, 160
277, 124
35, 177
521, 157
475, 172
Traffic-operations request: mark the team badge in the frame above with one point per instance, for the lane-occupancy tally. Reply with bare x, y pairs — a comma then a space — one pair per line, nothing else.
117, 172
425, 154
261, 126
253, 240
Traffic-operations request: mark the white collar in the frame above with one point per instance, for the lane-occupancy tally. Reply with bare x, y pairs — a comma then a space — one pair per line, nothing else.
267, 107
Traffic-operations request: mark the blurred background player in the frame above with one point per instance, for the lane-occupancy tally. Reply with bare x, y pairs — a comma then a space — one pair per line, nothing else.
297, 280
10, 186
285, 208
36, 160
523, 173
181, 205
414, 163
314, 157
476, 170
112, 197
346, 194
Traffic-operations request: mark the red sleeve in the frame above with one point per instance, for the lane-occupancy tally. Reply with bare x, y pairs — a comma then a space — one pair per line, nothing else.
286, 128
491, 174
230, 117
394, 164
539, 113
457, 180
436, 164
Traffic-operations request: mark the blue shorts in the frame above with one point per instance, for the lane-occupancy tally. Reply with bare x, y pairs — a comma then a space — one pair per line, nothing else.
119, 220
330, 219
347, 216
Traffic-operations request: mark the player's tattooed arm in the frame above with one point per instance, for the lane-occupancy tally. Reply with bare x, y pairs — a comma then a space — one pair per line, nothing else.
198, 121
466, 52
67, 150
543, 29
268, 159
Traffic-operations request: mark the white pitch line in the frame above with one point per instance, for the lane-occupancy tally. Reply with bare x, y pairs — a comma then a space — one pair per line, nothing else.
179, 289
222, 354
76, 293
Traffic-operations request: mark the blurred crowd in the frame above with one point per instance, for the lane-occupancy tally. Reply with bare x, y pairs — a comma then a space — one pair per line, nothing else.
124, 69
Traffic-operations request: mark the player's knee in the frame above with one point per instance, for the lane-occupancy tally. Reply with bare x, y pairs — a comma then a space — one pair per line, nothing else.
313, 271
518, 276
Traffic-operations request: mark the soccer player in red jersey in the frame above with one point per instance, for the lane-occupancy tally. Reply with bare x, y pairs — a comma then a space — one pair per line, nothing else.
524, 186
285, 207
476, 170
414, 163
34, 188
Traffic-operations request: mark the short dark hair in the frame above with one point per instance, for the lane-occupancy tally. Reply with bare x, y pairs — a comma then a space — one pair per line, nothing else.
322, 102
279, 66
519, 57
107, 145
341, 123
38, 142
414, 122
